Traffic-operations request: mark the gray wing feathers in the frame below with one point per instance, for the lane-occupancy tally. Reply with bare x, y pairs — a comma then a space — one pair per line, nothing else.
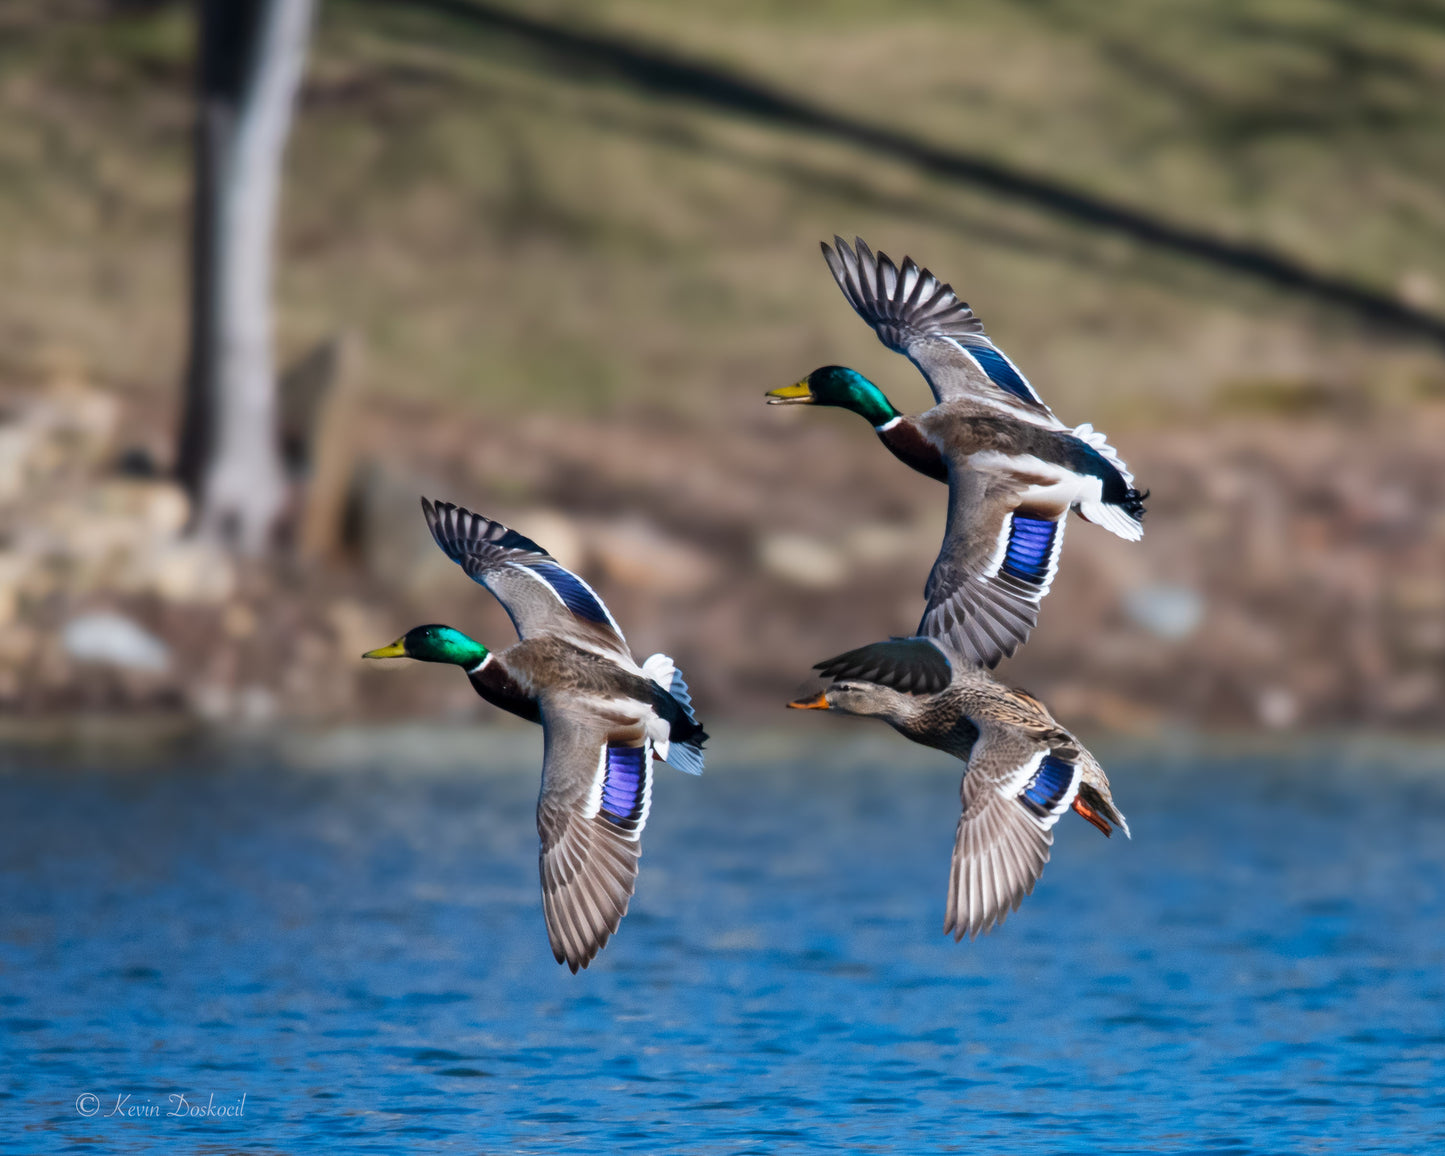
986, 624
999, 852
588, 876
921, 317
588, 865
902, 305
971, 602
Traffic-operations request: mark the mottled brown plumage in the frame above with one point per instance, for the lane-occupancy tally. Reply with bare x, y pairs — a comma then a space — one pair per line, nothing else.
1023, 769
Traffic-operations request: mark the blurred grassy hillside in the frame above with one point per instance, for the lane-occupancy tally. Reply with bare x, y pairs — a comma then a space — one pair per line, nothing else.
513, 221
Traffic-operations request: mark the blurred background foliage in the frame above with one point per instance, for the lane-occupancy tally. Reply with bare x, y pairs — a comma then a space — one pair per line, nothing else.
1215, 229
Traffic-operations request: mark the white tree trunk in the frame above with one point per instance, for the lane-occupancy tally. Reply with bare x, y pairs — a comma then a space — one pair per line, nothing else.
240, 483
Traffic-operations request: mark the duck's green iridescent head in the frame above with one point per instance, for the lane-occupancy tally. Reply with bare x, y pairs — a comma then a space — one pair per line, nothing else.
838, 386
434, 644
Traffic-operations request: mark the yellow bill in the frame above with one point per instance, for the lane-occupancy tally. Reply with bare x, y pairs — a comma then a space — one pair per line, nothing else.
800, 393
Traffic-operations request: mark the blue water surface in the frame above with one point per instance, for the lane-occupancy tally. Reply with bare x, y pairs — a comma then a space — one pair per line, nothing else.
346, 931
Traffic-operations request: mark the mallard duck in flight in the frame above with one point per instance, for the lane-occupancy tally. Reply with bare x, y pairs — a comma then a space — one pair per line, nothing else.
1013, 469
1022, 770
603, 716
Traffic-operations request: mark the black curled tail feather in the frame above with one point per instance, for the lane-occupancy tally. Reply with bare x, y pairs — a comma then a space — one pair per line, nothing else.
682, 727
1133, 503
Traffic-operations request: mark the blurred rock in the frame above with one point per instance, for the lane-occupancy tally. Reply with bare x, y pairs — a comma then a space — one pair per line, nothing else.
97, 520
239, 621
251, 704
1277, 707
556, 533
357, 628
803, 561
110, 639
41, 434
636, 554
14, 570
188, 571
17, 445
879, 543
1411, 694
1172, 613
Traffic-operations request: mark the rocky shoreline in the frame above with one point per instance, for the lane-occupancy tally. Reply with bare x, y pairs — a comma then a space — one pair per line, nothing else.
1292, 574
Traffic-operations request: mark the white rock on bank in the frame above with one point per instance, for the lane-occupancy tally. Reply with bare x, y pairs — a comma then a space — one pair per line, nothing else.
190, 570
555, 532
110, 639
802, 561
1172, 613
639, 556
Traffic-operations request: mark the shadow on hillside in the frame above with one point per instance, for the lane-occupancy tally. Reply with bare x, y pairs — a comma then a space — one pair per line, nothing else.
666, 74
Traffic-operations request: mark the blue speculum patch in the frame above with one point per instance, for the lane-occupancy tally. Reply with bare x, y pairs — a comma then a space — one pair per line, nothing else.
1049, 784
625, 782
1001, 373
572, 590
1030, 547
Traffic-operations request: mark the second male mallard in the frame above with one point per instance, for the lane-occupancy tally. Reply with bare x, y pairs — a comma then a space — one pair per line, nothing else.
603, 718
1013, 469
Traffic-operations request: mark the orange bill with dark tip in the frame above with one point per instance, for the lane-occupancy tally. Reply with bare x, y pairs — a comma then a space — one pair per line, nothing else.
819, 702
1093, 817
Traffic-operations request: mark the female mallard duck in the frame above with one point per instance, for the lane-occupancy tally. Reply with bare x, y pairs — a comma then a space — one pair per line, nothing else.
603, 718
1022, 772
1013, 469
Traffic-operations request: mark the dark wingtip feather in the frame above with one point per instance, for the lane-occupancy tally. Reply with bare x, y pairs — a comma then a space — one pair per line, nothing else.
913, 666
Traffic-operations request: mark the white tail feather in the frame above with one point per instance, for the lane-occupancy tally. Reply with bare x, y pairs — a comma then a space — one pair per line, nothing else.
659, 668
684, 757
1112, 519
663, 671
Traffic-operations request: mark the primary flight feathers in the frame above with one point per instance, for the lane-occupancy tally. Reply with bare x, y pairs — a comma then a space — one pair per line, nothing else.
917, 315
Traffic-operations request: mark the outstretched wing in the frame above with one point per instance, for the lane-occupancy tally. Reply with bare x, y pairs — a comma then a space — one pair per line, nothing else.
996, 563
541, 596
596, 794
922, 318
911, 665
1013, 793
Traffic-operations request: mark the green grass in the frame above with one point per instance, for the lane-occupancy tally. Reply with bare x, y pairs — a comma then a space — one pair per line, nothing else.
514, 235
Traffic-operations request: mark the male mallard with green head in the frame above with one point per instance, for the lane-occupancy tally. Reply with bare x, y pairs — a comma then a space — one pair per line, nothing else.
1022, 770
603, 718
1013, 469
